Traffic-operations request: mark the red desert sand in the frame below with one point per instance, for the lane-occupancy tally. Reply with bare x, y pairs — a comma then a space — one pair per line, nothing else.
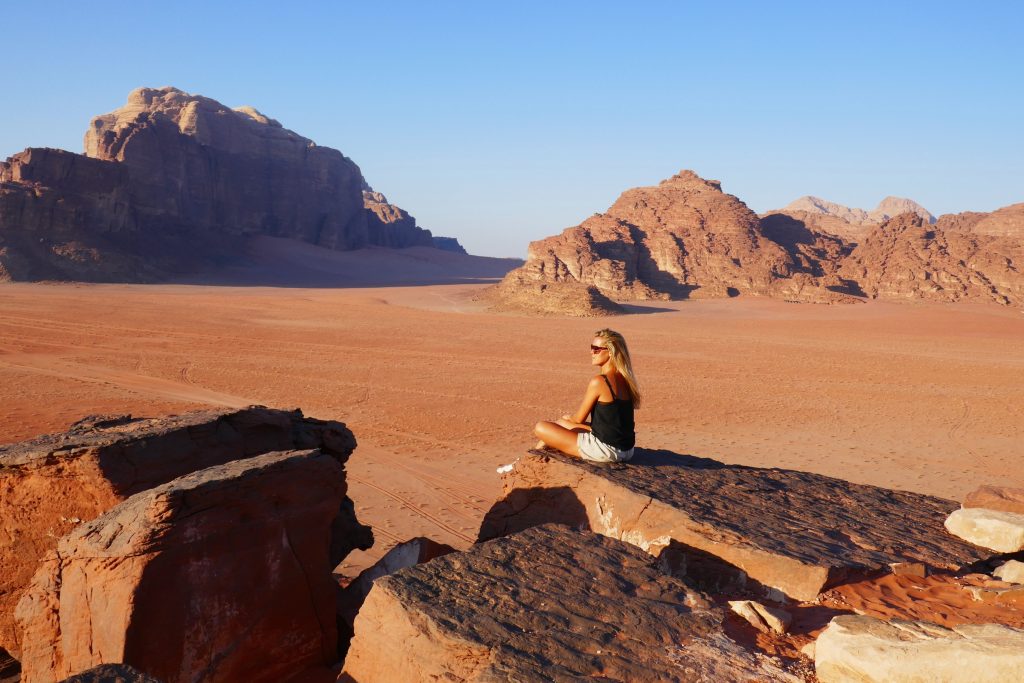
440, 392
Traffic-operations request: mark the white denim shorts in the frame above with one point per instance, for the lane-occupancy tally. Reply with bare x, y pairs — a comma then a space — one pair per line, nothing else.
592, 448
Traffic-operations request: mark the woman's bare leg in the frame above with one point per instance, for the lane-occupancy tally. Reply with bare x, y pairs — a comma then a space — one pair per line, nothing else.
556, 436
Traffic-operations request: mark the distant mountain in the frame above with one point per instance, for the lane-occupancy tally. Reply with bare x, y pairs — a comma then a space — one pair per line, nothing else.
686, 238
173, 181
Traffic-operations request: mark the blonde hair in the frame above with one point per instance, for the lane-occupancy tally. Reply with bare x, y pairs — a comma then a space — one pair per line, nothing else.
618, 352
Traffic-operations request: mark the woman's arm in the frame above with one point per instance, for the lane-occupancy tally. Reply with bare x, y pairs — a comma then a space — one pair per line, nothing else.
589, 399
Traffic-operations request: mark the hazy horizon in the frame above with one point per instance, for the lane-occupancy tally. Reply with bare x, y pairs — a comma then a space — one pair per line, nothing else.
503, 125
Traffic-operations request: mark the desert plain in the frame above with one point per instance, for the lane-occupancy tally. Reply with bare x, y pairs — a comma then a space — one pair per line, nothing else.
440, 391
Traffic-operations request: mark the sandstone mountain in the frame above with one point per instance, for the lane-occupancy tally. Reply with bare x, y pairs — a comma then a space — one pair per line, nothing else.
173, 180
686, 238
683, 238
905, 258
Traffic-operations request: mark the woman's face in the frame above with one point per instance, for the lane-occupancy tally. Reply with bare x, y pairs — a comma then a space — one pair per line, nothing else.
598, 352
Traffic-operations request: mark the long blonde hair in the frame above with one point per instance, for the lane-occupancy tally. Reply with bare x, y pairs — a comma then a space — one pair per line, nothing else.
618, 352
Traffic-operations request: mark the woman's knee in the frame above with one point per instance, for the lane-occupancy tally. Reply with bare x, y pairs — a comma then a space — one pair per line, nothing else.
540, 428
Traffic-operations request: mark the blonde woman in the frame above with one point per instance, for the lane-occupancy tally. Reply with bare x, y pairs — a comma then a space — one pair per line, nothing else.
609, 402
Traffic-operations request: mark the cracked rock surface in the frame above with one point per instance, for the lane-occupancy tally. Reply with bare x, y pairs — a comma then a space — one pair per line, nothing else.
223, 574
53, 483
548, 604
793, 532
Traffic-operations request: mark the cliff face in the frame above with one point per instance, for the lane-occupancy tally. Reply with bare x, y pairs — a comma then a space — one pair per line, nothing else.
906, 258
172, 180
683, 238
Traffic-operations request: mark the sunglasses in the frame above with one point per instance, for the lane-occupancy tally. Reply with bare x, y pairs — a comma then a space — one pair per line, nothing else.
597, 349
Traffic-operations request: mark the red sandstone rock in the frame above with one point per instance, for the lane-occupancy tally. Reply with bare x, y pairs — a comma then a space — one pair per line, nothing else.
173, 181
221, 575
1002, 498
682, 238
52, 484
906, 258
392, 226
111, 673
548, 604
780, 531
403, 555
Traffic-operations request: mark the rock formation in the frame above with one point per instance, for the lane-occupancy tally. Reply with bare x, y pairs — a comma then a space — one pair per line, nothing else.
111, 673
54, 483
683, 238
777, 531
890, 207
449, 244
1004, 498
546, 604
171, 181
906, 258
223, 574
392, 226
860, 649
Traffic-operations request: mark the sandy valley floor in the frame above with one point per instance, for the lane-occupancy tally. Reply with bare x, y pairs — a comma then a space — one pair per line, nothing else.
439, 392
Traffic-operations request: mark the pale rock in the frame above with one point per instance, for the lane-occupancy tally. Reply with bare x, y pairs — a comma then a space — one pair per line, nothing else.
992, 529
1011, 572
860, 649
762, 617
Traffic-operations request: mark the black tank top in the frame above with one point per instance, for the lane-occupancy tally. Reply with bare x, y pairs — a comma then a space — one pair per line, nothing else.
612, 423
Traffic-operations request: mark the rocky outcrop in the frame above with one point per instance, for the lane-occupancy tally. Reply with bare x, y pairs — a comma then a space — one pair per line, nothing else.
173, 181
449, 244
1005, 222
861, 649
1003, 498
890, 207
521, 292
352, 596
223, 574
906, 258
780, 532
516, 609
392, 226
683, 238
52, 484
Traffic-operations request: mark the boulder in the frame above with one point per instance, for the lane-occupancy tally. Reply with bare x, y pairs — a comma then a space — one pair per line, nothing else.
782, 532
992, 529
1011, 572
547, 604
762, 617
221, 575
860, 649
1002, 498
53, 483
407, 554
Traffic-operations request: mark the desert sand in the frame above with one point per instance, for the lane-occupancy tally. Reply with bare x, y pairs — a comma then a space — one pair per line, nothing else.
440, 392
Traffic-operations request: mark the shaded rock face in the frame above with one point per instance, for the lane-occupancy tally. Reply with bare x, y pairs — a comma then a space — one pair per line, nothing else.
860, 649
905, 258
449, 244
223, 574
781, 532
683, 238
172, 181
111, 673
51, 484
548, 604
392, 226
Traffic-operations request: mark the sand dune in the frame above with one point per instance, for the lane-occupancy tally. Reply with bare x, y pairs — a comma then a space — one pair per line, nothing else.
439, 392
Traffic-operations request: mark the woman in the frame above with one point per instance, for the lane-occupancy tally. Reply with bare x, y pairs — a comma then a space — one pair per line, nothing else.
609, 401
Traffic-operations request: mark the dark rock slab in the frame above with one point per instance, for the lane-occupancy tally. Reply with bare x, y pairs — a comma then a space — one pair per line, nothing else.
792, 532
55, 482
111, 673
221, 575
548, 604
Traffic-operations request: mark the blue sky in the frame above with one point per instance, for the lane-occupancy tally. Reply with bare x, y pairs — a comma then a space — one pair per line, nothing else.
501, 123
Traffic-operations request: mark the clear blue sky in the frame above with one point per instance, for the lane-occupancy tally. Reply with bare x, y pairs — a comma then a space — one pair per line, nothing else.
501, 123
